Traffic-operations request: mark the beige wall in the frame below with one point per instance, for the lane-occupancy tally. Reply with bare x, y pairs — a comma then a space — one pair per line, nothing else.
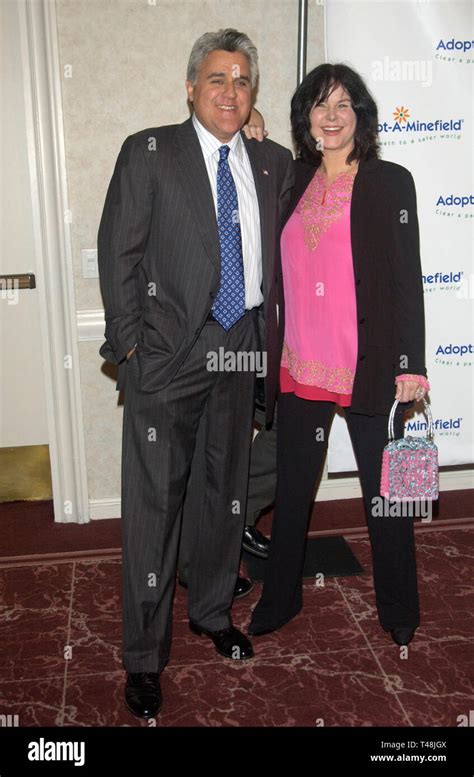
127, 63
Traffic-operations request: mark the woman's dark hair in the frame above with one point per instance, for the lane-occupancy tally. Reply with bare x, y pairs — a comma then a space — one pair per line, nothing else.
315, 88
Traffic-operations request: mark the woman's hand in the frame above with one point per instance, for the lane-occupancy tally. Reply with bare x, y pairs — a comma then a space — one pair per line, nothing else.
256, 126
409, 391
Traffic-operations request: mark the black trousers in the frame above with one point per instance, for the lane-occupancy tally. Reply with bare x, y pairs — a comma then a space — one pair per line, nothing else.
302, 439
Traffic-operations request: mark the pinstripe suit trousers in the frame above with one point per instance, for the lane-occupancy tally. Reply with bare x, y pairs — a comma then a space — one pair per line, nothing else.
159, 435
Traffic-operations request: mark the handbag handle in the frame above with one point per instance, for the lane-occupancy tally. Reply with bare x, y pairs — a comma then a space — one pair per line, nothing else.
426, 410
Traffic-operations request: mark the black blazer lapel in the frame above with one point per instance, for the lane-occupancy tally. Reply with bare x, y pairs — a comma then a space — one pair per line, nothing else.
193, 174
360, 216
303, 175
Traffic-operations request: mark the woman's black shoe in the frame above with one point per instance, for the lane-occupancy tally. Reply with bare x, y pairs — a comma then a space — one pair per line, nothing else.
403, 635
258, 631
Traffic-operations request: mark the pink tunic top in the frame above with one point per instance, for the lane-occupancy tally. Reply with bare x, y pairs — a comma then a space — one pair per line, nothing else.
320, 344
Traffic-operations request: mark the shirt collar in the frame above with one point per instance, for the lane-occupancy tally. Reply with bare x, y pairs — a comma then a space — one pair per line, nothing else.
210, 144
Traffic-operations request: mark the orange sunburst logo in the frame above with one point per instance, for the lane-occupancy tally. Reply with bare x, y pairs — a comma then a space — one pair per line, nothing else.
401, 114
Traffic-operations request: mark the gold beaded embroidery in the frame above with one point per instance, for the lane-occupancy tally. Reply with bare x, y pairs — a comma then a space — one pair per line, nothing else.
314, 373
321, 206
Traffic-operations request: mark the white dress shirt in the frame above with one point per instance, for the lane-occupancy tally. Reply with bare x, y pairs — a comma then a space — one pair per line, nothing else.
249, 213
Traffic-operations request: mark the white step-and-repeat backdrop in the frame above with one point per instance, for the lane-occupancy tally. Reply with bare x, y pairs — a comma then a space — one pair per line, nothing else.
417, 59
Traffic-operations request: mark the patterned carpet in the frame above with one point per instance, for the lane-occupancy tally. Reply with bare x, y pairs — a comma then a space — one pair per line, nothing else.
60, 631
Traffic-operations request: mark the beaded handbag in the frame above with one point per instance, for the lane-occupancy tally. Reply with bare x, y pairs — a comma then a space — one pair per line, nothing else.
410, 464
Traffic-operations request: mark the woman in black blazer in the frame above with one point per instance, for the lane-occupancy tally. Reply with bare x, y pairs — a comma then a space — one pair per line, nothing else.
351, 310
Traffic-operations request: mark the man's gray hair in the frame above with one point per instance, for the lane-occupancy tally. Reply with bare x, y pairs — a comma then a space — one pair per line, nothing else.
224, 40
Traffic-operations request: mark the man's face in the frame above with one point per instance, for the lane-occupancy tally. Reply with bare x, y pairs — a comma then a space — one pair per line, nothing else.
222, 93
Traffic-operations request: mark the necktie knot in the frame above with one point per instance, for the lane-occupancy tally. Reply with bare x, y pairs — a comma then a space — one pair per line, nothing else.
223, 153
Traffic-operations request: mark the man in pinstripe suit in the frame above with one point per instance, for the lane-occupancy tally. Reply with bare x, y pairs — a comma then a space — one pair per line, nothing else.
172, 266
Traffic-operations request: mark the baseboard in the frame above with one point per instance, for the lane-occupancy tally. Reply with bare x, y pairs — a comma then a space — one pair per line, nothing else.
349, 488
104, 508
341, 488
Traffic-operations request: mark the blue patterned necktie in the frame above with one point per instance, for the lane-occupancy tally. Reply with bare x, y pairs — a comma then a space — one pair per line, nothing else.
229, 304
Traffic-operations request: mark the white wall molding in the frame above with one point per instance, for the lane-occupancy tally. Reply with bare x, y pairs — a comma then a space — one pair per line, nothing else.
456, 481
55, 283
105, 508
340, 488
349, 487
90, 325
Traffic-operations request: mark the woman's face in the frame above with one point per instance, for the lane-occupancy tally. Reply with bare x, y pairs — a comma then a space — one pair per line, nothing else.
333, 122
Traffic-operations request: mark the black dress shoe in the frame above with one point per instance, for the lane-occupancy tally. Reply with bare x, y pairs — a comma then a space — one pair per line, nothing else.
242, 587
143, 694
403, 635
255, 543
230, 642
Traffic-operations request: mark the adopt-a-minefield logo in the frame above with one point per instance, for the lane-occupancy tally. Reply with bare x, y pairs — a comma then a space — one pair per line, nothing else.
454, 50
454, 354
404, 129
442, 427
455, 205
443, 281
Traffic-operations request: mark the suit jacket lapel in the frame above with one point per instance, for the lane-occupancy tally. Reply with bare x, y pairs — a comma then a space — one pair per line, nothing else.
192, 172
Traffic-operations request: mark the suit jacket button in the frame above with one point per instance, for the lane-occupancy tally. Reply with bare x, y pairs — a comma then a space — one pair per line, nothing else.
361, 358
357, 281
361, 320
